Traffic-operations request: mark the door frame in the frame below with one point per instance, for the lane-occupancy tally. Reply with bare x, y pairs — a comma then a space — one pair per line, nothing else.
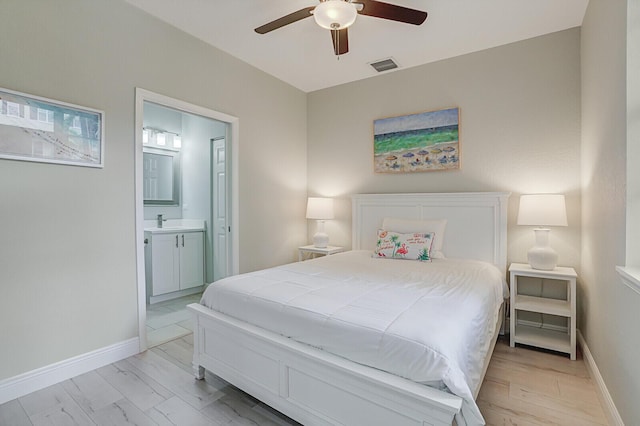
233, 132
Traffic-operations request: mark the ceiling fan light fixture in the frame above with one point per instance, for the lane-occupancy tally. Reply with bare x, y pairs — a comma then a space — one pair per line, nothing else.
335, 14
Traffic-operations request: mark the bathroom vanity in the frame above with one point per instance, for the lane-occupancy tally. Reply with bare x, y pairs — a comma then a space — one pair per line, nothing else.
174, 259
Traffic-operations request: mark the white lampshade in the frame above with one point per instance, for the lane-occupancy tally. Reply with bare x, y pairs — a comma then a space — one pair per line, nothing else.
335, 14
319, 208
542, 210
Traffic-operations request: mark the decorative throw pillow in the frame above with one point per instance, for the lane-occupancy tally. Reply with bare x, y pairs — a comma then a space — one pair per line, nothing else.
393, 245
405, 226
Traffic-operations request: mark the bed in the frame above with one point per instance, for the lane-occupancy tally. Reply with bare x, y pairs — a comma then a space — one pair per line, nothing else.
323, 382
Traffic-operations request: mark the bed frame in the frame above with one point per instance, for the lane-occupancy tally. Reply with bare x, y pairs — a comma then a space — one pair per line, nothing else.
317, 388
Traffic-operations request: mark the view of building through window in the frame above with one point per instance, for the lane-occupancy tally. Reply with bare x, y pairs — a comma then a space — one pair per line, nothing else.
45, 130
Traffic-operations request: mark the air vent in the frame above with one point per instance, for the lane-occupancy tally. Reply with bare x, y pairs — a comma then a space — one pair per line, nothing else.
384, 65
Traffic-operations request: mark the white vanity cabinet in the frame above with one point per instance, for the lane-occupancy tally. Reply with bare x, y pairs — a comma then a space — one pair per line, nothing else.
174, 263
191, 246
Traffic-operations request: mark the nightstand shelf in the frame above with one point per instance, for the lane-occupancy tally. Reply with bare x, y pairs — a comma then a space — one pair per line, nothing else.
540, 336
543, 305
543, 338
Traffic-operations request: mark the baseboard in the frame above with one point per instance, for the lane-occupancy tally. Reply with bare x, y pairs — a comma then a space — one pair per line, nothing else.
175, 294
609, 407
31, 381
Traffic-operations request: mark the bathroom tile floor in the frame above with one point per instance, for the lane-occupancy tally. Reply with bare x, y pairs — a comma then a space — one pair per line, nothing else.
169, 320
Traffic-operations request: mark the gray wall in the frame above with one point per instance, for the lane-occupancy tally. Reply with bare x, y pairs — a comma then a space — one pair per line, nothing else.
67, 262
633, 133
519, 132
609, 314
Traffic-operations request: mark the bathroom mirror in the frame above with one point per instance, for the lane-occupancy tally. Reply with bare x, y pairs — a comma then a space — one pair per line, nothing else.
161, 177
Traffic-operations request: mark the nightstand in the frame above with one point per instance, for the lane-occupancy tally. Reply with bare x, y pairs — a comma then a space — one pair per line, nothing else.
309, 252
539, 335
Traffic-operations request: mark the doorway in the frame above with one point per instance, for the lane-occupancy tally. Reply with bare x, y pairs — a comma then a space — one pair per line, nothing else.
205, 141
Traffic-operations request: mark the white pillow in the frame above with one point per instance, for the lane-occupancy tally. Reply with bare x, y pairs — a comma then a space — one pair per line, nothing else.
406, 226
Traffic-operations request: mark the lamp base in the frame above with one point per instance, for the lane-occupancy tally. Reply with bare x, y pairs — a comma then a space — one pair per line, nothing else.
320, 240
541, 255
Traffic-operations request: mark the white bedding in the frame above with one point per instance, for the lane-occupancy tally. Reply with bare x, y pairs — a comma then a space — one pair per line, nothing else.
431, 323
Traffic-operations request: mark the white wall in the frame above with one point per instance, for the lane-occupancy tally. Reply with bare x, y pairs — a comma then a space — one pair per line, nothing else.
68, 262
609, 313
519, 132
162, 118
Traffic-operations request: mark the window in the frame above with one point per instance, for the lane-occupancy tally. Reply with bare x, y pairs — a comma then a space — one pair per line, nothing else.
13, 109
45, 115
630, 273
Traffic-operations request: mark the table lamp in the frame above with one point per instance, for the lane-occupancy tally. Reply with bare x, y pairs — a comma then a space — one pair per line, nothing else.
542, 210
320, 209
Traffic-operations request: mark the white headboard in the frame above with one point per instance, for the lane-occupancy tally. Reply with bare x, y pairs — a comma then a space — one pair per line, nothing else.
476, 221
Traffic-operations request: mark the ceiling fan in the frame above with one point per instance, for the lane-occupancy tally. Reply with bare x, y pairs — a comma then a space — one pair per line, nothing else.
338, 15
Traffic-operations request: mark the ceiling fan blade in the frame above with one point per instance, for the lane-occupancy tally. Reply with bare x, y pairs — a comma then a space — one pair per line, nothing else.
340, 40
392, 12
285, 20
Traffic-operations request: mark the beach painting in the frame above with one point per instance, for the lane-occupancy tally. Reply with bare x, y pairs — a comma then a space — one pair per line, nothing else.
421, 142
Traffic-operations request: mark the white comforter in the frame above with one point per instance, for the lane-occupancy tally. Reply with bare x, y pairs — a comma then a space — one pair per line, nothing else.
431, 323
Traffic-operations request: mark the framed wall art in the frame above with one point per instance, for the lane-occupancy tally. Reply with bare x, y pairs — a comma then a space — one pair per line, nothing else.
422, 142
33, 128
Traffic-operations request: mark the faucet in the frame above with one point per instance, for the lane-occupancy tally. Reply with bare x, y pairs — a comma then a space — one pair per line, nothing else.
160, 220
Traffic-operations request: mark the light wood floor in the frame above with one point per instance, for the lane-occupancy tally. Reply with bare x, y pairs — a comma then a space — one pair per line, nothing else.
532, 387
522, 387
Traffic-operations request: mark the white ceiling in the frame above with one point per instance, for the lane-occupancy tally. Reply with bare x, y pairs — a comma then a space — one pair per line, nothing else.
301, 53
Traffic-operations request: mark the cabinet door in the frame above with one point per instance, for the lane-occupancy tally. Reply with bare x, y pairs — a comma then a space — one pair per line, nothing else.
191, 259
165, 263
